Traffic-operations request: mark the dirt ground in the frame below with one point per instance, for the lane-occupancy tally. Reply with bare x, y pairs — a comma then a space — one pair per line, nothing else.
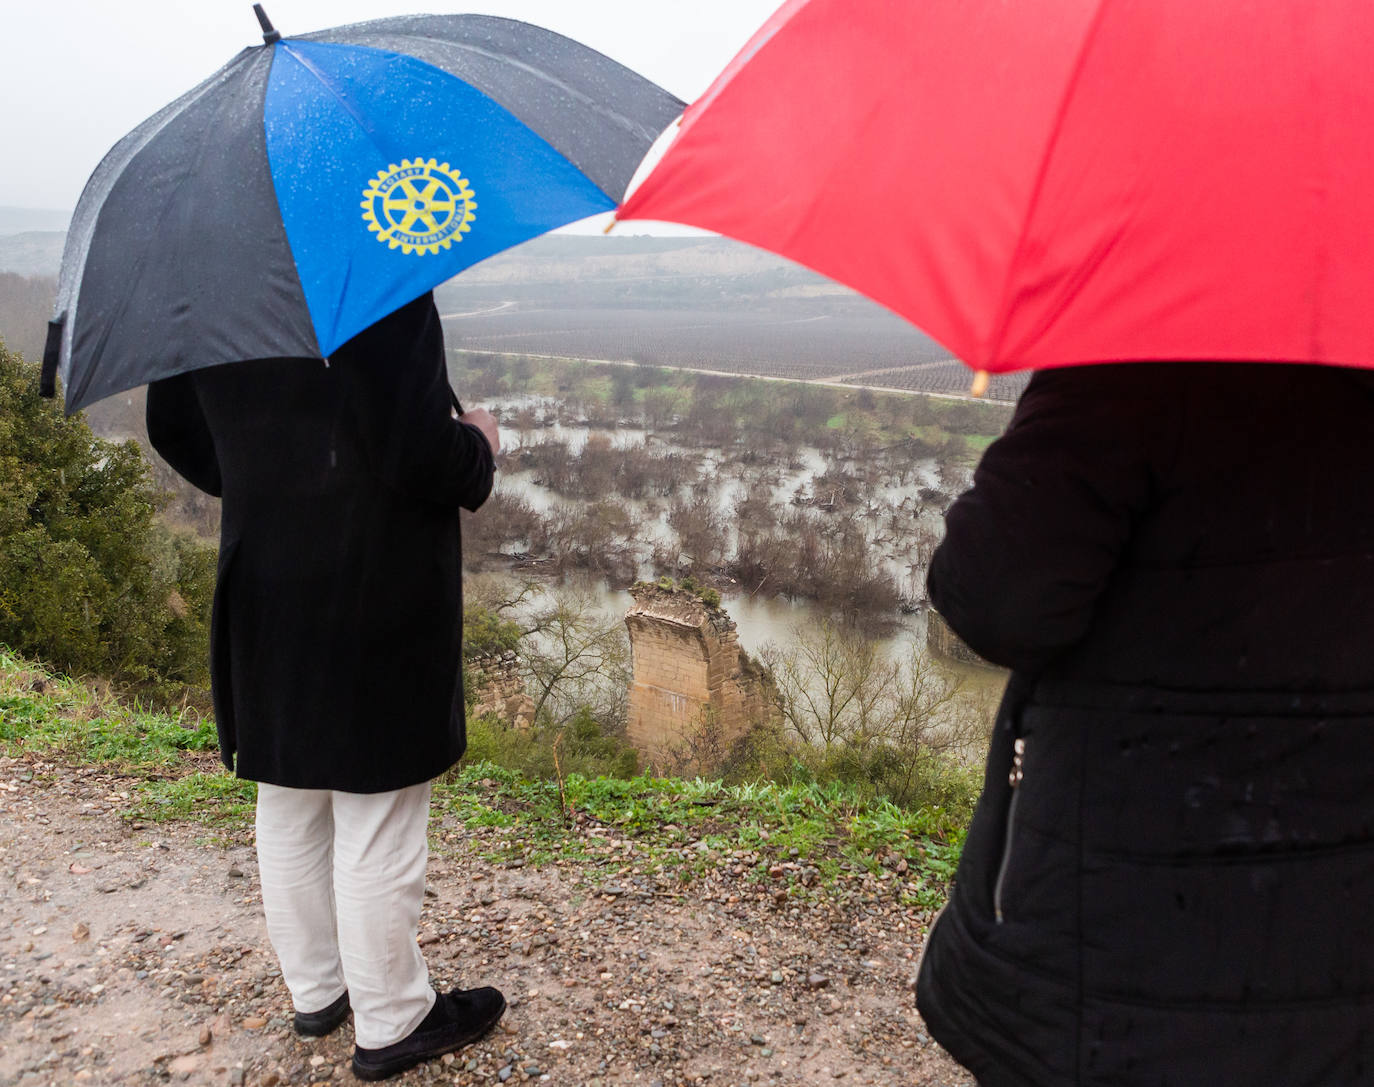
137, 954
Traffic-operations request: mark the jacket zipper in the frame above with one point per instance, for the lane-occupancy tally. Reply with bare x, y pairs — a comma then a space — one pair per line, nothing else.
1014, 778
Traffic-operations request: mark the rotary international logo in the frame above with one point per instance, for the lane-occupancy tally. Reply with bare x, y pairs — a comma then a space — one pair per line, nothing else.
420, 206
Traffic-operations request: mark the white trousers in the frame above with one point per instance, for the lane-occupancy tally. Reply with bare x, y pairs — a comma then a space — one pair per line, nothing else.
343, 878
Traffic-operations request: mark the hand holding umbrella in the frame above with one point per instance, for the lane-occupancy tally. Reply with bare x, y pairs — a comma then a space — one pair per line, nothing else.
484, 421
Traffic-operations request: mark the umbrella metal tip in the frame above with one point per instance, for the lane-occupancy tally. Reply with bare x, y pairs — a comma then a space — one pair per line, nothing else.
269, 33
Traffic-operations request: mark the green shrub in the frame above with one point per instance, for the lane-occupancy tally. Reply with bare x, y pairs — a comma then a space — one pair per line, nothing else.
708, 596
913, 780
90, 581
486, 634
583, 748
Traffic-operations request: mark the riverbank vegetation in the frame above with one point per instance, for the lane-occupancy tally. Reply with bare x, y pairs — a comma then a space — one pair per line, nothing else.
904, 729
712, 410
823, 833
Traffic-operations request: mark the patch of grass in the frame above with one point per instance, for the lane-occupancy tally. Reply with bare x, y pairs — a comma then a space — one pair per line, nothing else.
979, 442
931, 433
583, 749
66, 720
596, 386
683, 828
214, 799
677, 829
543, 382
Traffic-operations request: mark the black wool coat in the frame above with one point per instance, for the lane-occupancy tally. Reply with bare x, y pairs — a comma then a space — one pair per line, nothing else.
1170, 883
337, 634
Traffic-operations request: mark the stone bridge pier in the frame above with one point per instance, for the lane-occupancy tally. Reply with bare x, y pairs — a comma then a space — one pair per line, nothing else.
689, 669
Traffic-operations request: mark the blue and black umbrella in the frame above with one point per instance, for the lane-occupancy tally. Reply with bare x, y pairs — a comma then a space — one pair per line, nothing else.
315, 184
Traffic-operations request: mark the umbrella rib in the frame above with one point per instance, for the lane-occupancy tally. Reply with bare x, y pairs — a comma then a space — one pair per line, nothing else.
371, 135
338, 311
626, 124
343, 101
139, 260
1003, 312
81, 235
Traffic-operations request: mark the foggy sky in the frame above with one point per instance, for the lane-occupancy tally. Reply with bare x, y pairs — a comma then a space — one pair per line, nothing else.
78, 74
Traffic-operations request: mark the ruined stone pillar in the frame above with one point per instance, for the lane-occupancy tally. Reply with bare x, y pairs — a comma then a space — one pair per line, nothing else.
687, 665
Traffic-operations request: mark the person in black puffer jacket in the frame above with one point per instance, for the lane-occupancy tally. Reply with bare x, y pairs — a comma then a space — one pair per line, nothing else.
1170, 871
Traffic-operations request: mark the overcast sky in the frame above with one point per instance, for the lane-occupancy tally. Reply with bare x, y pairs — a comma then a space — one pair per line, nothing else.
78, 74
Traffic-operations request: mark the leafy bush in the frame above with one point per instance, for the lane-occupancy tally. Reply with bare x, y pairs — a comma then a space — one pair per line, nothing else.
90, 581
582, 748
486, 633
933, 782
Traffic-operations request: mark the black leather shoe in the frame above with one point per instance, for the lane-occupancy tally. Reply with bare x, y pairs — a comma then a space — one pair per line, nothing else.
458, 1018
318, 1024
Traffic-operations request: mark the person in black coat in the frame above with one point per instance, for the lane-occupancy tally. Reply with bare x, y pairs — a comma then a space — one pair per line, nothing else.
1168, 875
336, 651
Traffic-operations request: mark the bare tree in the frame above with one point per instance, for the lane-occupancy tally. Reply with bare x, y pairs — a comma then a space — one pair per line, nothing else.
831, 682
506, 519
915, 707
700, 529
525, 421
507, 597
842, 691
662, 405
576, 656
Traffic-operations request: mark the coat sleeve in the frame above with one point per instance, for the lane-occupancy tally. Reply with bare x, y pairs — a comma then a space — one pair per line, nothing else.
178, 431
404, 410
1029, 549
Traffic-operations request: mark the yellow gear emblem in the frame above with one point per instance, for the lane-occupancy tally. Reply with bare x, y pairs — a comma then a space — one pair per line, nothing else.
420, 206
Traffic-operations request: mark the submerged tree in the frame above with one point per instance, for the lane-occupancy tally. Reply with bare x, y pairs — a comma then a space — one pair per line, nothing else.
574, 657
901, 725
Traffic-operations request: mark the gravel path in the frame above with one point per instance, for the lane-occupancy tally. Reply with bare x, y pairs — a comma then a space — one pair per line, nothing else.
137, 954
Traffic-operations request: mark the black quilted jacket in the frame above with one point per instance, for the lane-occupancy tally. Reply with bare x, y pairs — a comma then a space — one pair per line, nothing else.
1170, 877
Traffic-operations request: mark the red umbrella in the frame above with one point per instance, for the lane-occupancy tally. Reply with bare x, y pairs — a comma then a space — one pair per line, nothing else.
1047, 182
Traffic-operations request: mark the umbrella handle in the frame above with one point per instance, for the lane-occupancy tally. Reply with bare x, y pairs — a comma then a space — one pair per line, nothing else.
52, 353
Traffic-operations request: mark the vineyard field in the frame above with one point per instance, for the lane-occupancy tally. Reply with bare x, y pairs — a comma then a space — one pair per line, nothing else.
867, 347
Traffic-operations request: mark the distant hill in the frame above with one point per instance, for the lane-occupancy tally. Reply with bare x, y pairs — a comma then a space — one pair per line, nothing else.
30, 220
562, 258
698, 302
567, 270
32, 253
